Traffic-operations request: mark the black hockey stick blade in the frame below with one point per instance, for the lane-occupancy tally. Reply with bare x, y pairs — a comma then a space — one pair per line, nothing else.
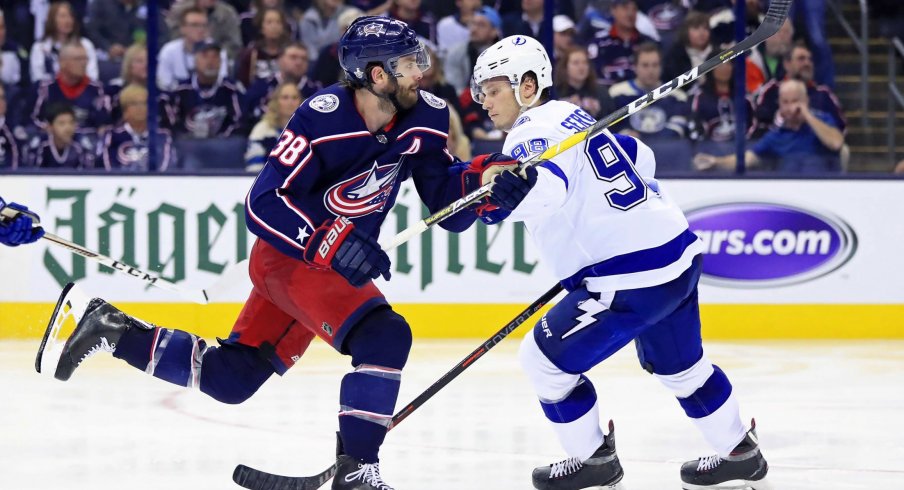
253, 479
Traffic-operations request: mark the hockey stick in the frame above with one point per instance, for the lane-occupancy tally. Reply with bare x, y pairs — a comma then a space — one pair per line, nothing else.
260, 480
775, 17
200, 296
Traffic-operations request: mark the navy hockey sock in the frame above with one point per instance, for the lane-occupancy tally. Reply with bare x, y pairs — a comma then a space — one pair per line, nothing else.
229, 374
379, 347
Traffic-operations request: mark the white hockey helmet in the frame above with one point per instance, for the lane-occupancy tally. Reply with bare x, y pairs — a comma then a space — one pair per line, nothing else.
512, 57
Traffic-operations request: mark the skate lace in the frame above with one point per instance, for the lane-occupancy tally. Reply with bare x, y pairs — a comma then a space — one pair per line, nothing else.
565, 468
368, 473
103, 345
707, 463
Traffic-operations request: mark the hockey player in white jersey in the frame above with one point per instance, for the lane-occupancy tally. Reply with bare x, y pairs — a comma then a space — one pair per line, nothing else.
624, 253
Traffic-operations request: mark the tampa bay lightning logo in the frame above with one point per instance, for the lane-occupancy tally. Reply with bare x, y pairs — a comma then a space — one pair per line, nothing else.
364, 193
518, 41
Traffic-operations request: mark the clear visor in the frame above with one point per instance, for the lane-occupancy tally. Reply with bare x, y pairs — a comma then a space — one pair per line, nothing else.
479, 90
410, 64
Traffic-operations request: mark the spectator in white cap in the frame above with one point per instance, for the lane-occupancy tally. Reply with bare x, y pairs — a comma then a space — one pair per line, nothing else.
563, 32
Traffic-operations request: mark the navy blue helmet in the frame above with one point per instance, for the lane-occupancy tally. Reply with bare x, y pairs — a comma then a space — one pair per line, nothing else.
380, 40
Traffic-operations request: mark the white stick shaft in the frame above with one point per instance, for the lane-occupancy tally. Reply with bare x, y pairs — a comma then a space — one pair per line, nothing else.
198, 296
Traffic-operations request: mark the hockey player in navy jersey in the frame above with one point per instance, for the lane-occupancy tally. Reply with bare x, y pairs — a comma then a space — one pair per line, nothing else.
624, 253
317, 207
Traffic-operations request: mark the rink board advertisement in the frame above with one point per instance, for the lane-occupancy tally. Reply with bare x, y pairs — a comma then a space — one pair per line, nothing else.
784, 258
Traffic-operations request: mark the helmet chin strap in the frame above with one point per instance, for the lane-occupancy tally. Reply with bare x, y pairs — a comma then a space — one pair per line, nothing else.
521, 104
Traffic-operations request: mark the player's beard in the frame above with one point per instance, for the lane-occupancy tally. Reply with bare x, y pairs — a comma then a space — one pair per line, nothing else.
406, 97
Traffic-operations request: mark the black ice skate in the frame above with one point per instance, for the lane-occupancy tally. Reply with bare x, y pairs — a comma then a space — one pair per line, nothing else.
601, 471
98, 328
353, 474
745, 468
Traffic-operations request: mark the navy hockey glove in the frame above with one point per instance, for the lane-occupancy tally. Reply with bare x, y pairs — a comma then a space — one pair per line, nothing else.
18, 228
480, 171
354, 255
509, 189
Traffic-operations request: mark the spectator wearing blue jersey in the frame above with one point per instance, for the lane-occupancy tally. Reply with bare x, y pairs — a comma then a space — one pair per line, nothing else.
125, 146
714, 116
527, 21
292, 68
58, 148
421, 21
806, 142
205, 106
611, 50
283, 102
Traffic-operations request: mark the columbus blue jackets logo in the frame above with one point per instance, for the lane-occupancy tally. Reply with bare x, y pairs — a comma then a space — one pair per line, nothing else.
364, 193
129, 154
373, 29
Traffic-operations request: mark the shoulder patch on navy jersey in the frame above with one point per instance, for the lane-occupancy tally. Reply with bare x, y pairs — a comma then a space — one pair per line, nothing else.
521, 120
324, 103
432, 100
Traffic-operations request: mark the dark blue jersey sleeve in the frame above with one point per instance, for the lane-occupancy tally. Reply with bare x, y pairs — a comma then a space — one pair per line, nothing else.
437, 177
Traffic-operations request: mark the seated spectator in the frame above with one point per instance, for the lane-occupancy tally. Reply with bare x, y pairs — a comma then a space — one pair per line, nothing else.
13, 59
319, 27
714, 116
222, 19
575, 82
58, 148
611, 50
773, 52
293, 66
176, 60
205, 106
807, 141
281, 106
247, 20
668, 117
692, 49
453, 29
326, 70
114, 25
62, 28
126, 145
563, 34
259, 59
72, 87
528, 22
485, 29
410, 12
11, 139
434, 81
798, 64
134, 70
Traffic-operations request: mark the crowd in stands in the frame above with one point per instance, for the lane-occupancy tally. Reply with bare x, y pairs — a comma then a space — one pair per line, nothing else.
230, 74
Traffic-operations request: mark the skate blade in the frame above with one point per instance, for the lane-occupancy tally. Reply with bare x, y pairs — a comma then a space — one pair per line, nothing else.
69, 310
618, 486
733, 485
